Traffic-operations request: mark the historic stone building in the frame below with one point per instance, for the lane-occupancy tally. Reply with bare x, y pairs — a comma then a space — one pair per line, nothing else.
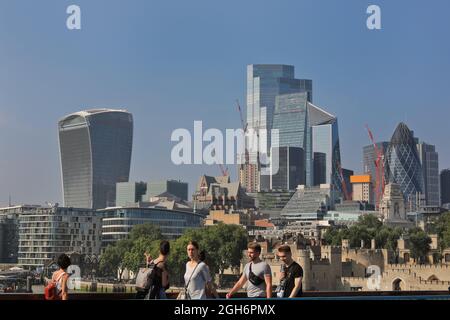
331, 268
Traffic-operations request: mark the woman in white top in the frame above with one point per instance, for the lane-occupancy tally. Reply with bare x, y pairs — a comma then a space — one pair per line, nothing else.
197, 276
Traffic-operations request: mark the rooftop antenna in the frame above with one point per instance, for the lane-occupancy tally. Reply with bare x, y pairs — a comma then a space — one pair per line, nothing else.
9, 202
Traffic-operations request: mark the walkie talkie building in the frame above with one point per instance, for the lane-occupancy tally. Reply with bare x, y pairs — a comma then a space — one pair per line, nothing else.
95, 151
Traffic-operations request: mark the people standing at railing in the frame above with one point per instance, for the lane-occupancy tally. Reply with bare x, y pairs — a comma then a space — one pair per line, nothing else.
257, 273
197, 276
60, 277
160, 275
291, 275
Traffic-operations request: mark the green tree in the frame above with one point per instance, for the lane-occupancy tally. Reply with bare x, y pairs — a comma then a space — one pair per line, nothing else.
147, 230
134, 258
420, 244
112, 259
370, 222
386, 237
333, 235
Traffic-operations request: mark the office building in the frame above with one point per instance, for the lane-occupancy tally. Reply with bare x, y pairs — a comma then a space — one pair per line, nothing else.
174, 187
118, 222
129, 193
362, 188
95, 150
45, 233
264, 83
445, 186
9, 231
346, 174
429, 159
403, 165
9, 243
303, 125
289, 163
320, 168
272, 202
309, 203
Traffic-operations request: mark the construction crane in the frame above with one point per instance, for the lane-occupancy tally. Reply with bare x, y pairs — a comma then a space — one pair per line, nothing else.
223, 170
379, 165
221, 166
344, 184
244, 127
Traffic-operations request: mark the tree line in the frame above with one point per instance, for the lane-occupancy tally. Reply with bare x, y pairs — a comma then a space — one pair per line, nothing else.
223, 245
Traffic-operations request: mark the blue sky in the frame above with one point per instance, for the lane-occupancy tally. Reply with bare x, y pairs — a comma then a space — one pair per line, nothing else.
173, 62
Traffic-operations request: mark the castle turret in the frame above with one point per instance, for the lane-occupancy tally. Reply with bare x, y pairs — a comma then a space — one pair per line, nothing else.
305, 262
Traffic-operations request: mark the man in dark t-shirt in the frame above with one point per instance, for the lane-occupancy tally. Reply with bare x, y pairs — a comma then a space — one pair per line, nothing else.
291, 275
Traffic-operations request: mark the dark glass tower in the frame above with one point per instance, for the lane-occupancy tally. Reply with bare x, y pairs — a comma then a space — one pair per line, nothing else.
291, 168
403, 163
445, 186
95, 149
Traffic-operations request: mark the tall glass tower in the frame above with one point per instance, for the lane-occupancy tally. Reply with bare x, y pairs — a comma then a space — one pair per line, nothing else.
445, 186
264, 83
304, 125
403, 164
429, 159
95, 150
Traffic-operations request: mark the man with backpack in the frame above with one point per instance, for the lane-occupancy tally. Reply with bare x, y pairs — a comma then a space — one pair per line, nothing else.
153, 281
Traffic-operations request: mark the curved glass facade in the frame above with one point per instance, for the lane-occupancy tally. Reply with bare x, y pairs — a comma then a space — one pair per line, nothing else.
118, 222
95, 149
403, 163
303, 125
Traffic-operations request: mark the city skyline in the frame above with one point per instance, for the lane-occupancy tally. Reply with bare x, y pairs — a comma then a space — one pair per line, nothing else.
388, 78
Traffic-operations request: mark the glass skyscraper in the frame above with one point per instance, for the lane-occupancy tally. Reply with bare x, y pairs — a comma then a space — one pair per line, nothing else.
95, 150
429, 159
303, 125
264, 83
445, 186
291, 168
325, 141
403, 164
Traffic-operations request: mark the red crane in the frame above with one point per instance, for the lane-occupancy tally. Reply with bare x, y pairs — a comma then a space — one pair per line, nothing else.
379, 165
344, 185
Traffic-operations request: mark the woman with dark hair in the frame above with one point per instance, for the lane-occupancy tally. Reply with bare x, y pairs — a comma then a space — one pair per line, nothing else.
61, 276
161, 274
197, 276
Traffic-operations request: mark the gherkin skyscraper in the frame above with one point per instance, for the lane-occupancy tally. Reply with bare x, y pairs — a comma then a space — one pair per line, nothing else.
403, 163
